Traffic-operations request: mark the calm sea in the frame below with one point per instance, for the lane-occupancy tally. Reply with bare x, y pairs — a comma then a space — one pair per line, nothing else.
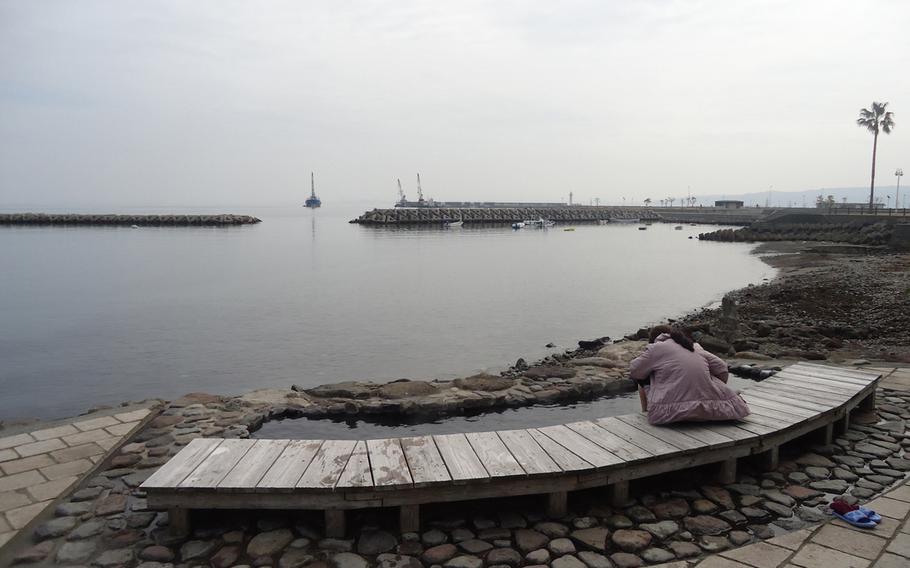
93, 316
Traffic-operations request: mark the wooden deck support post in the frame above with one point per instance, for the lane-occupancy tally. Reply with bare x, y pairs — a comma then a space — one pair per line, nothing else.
179, 521
619, 494
727, 473
557, 504
827, 433
768, 460
335, 523
842, 425
409, 518
868, 403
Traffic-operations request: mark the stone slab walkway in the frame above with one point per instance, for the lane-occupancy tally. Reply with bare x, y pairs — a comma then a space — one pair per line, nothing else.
894, 379
39, 464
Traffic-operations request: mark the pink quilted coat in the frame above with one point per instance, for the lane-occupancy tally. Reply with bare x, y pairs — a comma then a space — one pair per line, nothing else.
682, 385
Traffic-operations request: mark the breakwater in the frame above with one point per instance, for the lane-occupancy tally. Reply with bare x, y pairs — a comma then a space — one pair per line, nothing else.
441, 215
126, 220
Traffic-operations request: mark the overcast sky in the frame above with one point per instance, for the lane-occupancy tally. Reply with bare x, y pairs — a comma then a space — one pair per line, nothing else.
223, 102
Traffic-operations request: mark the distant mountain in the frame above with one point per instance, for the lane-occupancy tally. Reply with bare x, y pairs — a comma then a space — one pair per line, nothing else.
807, 197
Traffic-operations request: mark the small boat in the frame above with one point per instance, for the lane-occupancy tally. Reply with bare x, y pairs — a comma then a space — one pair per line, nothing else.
539, 223
312, 201
642, 228
677, 228
450, 224
569, 229
518, 225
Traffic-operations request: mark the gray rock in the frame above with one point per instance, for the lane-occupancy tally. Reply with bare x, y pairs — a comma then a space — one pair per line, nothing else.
640, 514
811, 514
836, 486
594, 538
657, 555
551, 529
336, 544
798, 477
706, 525
719, 495
739, 538
54, 528
817, 472
197, 549
584, 522
619, 522
349, 560
397, 561
814, 460
631, 540
561, 546
464, 562
626, 560
72, 509
372, 543
227, 556
156, 553
527, 540
75, 552
777, 509
790, 523
35, 553
872, 449
438, 554
86, 530
684, 549
744, 488
294, 558
112, 558
505, 556
268, 543
539, 556
475, 546
754, 514
567, 561
462, 533
434, 537
712, 543
594, 560
778, 497
663, 529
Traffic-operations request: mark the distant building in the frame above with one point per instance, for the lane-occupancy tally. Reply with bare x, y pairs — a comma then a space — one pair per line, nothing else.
729, 204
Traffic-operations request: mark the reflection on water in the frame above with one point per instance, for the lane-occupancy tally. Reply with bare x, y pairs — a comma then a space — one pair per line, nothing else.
506, 419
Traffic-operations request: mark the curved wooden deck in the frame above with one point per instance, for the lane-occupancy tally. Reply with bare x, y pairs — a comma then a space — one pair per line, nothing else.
335, 475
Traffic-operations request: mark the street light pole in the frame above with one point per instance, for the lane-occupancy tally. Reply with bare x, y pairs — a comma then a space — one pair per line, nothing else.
897, 195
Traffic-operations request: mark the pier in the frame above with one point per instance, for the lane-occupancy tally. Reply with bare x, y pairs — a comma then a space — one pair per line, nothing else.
126, 220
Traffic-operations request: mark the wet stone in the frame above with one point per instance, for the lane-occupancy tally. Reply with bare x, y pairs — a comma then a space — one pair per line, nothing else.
734, 518
196, 549
156, 553
527, 540
433, 537
739, 538
778, 509
657, 555
619, 522
661, 530
830, 486
862, 492
594, 538
551, 529
567, 561
505, 556
810, 459
719, 495
73, 509
111, 504
632, 540
461, 534
560, 546
704, 506
439, 554
714, 543
75, 552
640, 514
811, 514
539, 556
780, 498
55, 528
706, 525
86, 530
754, 514
684, 549
626, 560
801, 493
350, 560
673, 509
475, 546
798, 477
87, 494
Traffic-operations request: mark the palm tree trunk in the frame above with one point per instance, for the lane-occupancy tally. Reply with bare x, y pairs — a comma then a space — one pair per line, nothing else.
872, 186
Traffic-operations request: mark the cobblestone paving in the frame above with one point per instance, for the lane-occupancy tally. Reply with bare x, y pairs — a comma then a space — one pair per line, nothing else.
37, 466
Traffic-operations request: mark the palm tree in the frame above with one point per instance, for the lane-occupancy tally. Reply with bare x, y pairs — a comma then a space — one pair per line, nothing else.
875, 120
647, 202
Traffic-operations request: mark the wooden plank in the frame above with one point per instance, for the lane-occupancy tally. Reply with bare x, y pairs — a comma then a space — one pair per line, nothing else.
777, 416
831, 376
820, 384
181, 465
757, 429
867, 376
774, 424
755, 399
710, 437
730, 429
461, 461
357, 471
580, 446
811, 387
528, 453
216, 466
327, 465
633, 435
609, 441
290, 465
799, 376
390, 467
494, 455
789, 399
792, 391
424, 461
668, 434
250, 469
566, 460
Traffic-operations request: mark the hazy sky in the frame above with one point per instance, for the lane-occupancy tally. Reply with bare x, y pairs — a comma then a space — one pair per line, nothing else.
223, 102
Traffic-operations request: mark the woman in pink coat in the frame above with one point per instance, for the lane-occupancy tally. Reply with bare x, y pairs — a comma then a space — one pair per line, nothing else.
687, 382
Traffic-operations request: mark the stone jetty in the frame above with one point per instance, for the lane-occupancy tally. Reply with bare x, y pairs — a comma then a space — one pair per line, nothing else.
127, 220
441, 215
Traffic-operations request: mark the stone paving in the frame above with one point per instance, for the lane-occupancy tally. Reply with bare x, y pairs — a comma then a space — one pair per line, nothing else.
832, 545
894, 379
39, 465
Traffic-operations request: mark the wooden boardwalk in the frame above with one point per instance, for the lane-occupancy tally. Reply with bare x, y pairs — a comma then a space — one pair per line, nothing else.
335, 475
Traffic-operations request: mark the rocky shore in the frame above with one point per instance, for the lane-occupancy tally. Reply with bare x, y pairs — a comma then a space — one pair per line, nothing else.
859, 232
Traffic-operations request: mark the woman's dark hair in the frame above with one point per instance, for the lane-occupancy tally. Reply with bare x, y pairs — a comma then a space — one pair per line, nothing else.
677, 333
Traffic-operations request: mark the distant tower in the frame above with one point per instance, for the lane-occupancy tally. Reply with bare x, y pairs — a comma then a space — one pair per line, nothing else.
570, 198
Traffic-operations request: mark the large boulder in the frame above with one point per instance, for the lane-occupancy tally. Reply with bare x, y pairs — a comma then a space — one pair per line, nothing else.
405, 388
484, 382
347, 389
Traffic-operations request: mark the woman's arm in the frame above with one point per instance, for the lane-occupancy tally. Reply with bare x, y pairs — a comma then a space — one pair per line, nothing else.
716, 365
641, 367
